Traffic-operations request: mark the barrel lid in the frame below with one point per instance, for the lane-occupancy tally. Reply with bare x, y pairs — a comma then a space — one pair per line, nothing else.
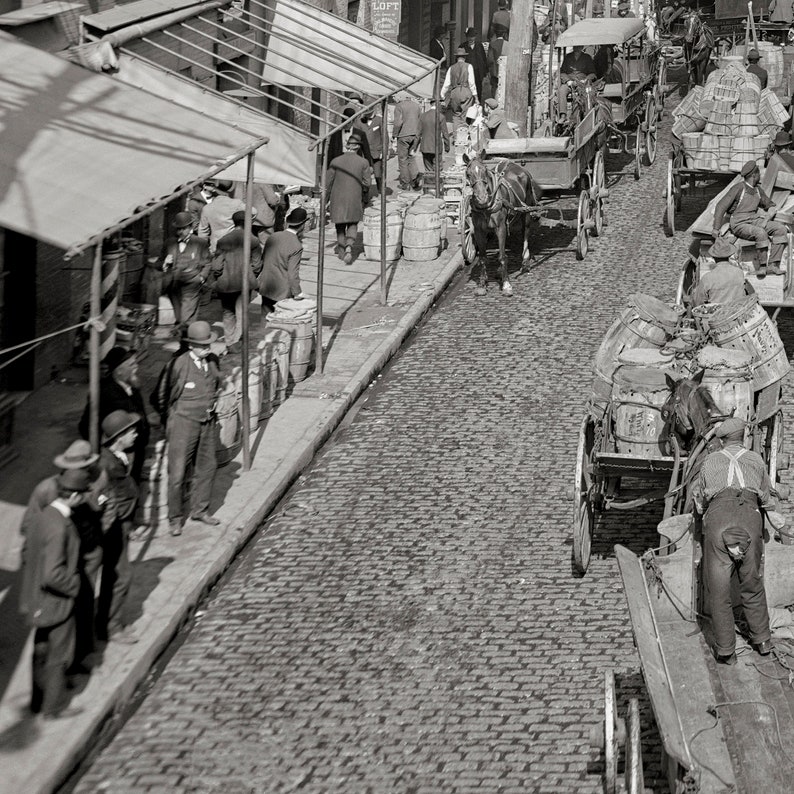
641, 377
645, 357
392, 208
713, 357
422, 208
654, 310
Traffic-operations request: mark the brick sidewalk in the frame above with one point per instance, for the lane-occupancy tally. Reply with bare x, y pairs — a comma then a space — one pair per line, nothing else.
170, 574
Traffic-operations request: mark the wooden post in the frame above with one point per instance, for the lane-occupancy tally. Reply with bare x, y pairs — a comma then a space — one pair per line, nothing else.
384, 137
318, 344
519, 57
439, 143
93, 349
245, 297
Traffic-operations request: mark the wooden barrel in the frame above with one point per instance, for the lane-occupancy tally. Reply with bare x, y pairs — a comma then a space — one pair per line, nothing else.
645, 323
270, 383
275, 346
638, 394
301, 344
729, 378
228, 422
745, 325
394, 231
254, 391
422, 232
651, 357
772, 61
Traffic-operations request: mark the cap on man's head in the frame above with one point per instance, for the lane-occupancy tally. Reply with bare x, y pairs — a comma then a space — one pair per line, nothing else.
74, 480
722, 249
116, 356
354, 139
731, 427
78, 455
491, 103
116, 423
749, 168
753, 55
297, 217
782, 139
182, 220
224, 185
460, 53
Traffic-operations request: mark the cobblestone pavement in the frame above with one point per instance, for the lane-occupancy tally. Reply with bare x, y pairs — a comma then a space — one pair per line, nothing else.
410, 621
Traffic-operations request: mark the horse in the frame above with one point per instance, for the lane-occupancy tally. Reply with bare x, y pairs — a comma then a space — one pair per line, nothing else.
698, 44
498, 196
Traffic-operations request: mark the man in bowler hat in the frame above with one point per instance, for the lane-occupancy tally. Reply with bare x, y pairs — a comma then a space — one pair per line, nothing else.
753, 57
281, 261
185, 397
187, 262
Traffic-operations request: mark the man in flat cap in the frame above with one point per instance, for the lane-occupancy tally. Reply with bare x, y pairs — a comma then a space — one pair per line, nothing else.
459, 91
750, 212
731, 493
725, 281
753, 68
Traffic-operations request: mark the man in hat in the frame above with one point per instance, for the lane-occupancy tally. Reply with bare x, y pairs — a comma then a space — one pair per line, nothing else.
429, 142
216, 218
230, 268
266, 200
119, 390
438, 47
624, 10
281, 261
495, 121
731, 492
405, 130
577, 66
725, 282
781, 145
50, 584
746, 205
500, 21
497, 48
119, 431
185, 397
372, 125
475, 55
188, 263
349, 178
459, 91
198, 199
753, 57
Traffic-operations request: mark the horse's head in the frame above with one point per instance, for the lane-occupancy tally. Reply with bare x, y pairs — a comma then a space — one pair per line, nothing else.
479, 179
691, 26
690, 409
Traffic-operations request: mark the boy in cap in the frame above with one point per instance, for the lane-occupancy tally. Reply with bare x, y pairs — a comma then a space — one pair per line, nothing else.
281, 261
744, 205
188, 261
185, 398
753, 68
732, 489
119, 431
459, 90
725, 282
349, 178
50, 585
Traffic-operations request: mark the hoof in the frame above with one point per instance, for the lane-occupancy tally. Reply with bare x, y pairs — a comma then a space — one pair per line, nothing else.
507, 290
480, 291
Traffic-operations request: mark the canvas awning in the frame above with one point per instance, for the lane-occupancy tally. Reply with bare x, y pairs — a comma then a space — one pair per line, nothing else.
597, 31
80, 152
286, 160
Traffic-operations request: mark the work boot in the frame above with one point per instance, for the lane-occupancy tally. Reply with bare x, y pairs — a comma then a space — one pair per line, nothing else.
205, 518
175, 526
348, 257
765, 647
774, 270
729, 659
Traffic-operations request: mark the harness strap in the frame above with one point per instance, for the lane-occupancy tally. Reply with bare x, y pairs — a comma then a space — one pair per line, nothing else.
734, 471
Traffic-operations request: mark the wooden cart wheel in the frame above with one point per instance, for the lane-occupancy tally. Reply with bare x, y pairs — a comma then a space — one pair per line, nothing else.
686, 281
775, 445
635, 775
638, 148
582, 507
661, 85
651, 131
669, 215
599, 182
468, 247
611, 737
582, 218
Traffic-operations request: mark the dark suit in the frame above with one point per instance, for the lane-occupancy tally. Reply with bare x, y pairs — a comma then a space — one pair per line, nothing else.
349, 177
406, 131
280, 276
495, 51
230, 268
373, 129
476, 56
50, 583
438, 52
190, 269
429, 145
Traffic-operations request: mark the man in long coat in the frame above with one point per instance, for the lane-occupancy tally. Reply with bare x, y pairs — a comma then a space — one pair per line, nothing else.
475, 55
349, 178
281, 260
429, 145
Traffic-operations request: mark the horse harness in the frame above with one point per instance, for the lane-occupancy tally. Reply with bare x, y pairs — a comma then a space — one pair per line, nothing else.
497, 178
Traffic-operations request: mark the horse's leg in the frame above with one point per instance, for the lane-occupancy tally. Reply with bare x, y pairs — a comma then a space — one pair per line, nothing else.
481, 244
526, 254
501, 234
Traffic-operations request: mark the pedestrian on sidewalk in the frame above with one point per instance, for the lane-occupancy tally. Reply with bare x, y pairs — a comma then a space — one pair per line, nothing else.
372, 124
500, 20
497, 48
459, 91
50, 584
185, 398
429, 143
281, 261
119, 390
198, 199
475, 55
119, 431
216, 218
265, 201
187, 262
229, 268
87, 518
405, 132
349, 178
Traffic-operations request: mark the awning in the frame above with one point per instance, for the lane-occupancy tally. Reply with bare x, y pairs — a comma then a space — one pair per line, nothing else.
80, 152
286, 160
310, 47
600, 31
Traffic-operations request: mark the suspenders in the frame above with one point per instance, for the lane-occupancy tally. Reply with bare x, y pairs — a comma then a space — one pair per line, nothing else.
735, 474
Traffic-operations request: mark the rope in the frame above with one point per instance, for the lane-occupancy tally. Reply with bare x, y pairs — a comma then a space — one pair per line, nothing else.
91, 322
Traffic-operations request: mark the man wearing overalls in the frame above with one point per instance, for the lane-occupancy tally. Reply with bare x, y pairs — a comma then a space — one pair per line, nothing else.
732, 489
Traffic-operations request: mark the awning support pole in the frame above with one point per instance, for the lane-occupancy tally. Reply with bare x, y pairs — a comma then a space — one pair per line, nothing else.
318, 347
93, 348
245, 297
439, 143
384, 137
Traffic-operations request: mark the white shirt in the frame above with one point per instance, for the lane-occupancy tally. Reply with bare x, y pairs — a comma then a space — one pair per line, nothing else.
201, 363
448, 83
62, 508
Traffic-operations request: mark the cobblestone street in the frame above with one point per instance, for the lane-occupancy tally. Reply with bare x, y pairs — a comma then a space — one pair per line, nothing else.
410, 620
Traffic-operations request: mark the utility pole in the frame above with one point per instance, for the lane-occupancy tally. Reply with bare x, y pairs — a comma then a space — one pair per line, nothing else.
519, 57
